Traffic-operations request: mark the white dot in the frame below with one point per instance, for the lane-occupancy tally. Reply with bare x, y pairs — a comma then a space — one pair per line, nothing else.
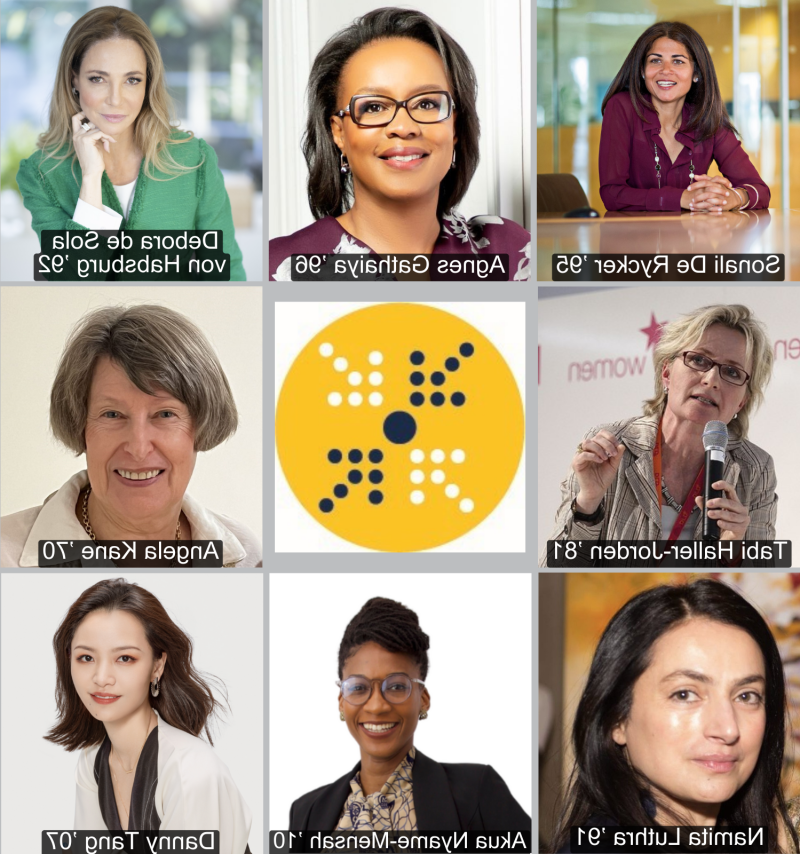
458, 456
466, 505
437, 456
326, 350
437, 476
376, 398
354, 398
417, 476
355, 378
375, 357
334, 398
340, 364
375, 378
417, 456
417, 496
451, 490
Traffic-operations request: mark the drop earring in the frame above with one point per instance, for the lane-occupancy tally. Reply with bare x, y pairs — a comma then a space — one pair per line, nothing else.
344, 166
341, 715
453, 161
154, 689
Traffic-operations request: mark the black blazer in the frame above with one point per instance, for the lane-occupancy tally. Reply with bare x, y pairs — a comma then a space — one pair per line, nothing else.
446, 798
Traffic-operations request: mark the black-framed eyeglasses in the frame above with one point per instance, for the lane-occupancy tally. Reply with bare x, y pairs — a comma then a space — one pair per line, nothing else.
395, 688
701, 363
376, 111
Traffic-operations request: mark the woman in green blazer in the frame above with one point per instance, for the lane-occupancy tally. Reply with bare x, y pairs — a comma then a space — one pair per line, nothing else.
112, 161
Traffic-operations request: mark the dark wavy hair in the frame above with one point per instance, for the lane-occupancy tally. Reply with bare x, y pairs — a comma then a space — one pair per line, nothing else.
709, 115
329, 191
603, 781
389, 624
185, 700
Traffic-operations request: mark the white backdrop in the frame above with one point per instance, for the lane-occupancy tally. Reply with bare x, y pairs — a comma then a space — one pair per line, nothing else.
224, 616
578, 391
479, 679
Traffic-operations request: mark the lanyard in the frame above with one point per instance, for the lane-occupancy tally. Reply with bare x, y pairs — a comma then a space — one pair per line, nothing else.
688, 504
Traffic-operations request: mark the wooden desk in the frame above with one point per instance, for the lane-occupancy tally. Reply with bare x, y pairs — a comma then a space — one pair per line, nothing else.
619, 232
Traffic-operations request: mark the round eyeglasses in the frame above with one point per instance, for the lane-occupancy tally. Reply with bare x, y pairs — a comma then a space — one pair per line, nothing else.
395, 688
375, 111
701, 363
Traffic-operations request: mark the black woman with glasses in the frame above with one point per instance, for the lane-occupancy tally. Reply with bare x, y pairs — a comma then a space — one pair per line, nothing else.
391, 145
383, 665
642, 478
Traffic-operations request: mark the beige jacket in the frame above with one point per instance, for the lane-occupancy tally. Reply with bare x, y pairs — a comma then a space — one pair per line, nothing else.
55, 520
632, 510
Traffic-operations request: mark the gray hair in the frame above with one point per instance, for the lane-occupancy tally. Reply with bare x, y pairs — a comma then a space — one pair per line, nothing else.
158, 348
686, 332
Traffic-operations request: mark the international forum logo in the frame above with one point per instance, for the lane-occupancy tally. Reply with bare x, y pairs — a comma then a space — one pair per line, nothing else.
399, 427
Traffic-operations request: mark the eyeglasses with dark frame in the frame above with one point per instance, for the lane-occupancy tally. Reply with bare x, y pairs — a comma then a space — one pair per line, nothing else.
703, 364
359, 106
395, 688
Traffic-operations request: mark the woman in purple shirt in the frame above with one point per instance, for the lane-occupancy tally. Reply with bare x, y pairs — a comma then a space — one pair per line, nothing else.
664, 121
391, 146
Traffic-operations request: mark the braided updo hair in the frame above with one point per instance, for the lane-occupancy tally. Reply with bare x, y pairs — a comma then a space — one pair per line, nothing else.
389, 624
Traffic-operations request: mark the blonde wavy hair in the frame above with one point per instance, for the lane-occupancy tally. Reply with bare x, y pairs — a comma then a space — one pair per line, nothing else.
153, 127
686, 332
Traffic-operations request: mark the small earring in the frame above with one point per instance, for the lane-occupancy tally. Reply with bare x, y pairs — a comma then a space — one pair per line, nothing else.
154, 689
341, 715
696, 79
423, 715
666, 390
74, 91
453, 161
344, 168
735, 415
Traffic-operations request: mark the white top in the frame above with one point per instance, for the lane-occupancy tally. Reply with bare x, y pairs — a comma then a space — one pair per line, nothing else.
669, 516
56, 520
195, 791
107, 219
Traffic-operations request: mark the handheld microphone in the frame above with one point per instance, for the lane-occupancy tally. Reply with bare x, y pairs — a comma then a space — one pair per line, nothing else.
715, 441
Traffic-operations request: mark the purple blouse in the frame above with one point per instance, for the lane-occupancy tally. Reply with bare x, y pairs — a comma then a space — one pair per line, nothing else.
459, 236
628, 180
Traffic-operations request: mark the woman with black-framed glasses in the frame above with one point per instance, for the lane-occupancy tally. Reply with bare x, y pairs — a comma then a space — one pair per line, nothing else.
391, 145
383, 664
642, 478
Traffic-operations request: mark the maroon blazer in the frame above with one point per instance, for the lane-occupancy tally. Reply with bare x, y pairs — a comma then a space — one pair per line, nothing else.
628, 179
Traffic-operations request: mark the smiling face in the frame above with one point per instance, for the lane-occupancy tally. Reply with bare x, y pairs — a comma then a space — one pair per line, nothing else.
112, 665
112, 84
668, 72
398, 68
368, 723
707, 397
139, 450
698, 717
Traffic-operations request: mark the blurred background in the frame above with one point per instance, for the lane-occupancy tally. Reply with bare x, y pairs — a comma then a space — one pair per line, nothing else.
581, 45
212, 51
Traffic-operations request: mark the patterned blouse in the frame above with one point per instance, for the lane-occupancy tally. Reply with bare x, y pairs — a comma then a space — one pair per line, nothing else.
793, 808
390, 809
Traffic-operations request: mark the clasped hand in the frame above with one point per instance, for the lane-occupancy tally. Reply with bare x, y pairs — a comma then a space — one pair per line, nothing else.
711, 195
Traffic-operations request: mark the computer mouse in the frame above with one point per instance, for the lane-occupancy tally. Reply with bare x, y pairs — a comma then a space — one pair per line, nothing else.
581, 213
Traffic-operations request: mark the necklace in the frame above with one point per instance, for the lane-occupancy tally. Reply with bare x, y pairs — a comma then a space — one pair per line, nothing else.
658, 166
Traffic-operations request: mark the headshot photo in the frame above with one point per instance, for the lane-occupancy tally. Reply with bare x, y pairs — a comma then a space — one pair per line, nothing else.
123, 390
385, 675
400, 130
135, 137
679, 718
145, 716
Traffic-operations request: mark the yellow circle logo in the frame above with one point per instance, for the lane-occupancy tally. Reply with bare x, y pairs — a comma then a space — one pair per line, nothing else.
399, 427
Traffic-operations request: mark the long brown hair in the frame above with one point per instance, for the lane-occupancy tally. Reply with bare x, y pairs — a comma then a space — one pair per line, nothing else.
185, 700
709, 115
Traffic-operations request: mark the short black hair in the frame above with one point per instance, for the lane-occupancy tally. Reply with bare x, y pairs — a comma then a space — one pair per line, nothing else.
389, 624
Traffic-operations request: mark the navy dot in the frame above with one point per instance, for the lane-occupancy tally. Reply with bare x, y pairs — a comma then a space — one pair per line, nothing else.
375, 497
417, 357
452, 364
437, 398
437, 378
326, 505
457, 398
417, 399
399, 427
417, 378
466, 349
340, 490
334, 455
375, 455
355, 476
355, 456
376, 476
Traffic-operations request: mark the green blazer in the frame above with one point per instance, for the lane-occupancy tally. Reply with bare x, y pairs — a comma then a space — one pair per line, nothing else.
196, 200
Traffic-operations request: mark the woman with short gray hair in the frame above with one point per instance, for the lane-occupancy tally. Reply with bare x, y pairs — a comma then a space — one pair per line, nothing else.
140, 391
